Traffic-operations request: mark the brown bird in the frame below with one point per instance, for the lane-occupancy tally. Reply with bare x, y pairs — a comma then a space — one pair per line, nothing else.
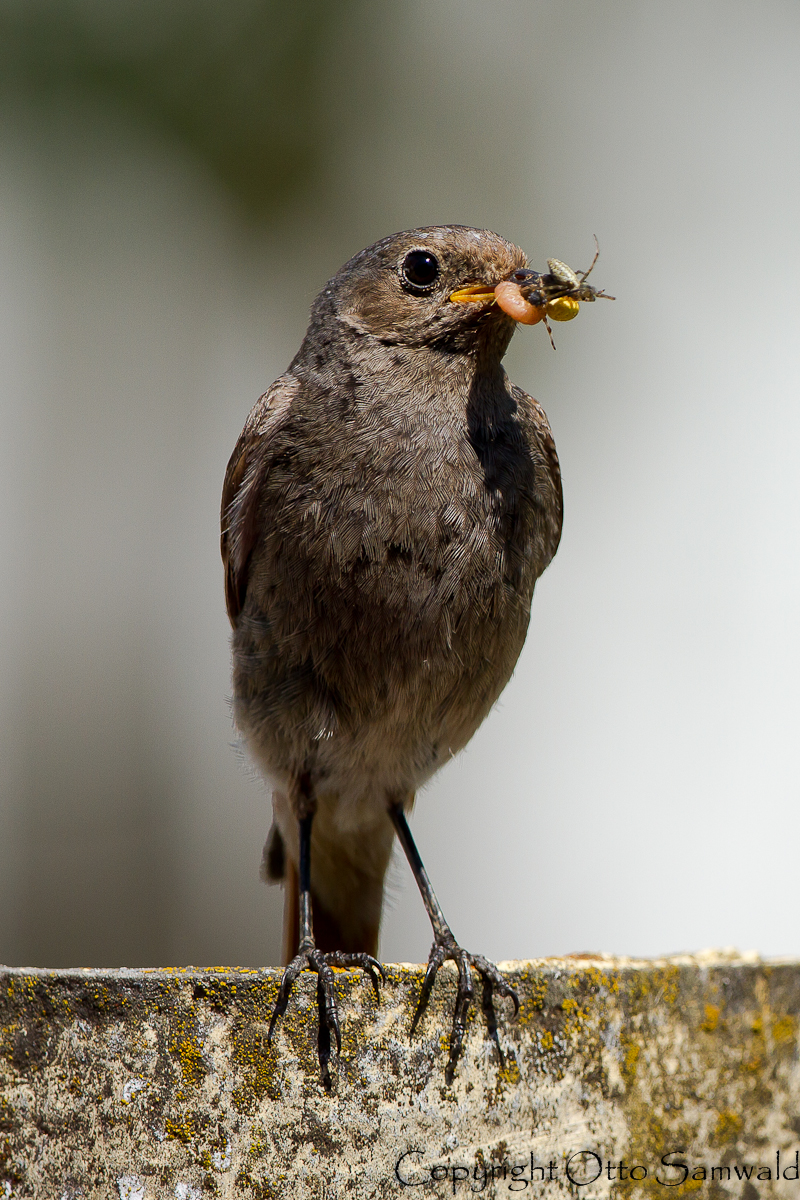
386, 512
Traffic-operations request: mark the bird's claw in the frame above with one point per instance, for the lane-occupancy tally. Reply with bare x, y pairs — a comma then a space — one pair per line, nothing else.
441, 952
311, 959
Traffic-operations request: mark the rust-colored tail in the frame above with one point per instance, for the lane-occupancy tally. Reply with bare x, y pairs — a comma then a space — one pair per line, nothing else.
329, 933
346, 888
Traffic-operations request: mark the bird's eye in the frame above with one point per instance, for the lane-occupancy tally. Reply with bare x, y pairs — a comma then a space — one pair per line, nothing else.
420, 270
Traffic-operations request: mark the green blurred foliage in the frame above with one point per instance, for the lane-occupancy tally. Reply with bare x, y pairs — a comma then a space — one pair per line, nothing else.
236, 81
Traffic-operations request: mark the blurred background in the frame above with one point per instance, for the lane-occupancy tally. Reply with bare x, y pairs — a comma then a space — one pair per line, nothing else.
176, 183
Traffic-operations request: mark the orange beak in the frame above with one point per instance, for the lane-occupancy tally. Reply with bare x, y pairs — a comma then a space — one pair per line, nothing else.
507, 295
476, 293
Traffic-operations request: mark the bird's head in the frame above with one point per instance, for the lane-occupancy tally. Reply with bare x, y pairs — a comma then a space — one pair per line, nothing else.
432, 287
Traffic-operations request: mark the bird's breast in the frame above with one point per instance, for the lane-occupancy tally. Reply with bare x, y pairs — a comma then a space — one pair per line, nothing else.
412, 532
390, 593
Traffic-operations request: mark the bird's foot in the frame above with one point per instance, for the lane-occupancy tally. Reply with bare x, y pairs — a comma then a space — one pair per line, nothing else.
311, 959
449, 949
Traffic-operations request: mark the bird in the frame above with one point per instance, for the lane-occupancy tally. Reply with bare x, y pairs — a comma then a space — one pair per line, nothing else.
386, 512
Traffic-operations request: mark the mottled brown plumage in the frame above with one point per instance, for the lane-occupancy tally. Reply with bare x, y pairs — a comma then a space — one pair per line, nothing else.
386, 512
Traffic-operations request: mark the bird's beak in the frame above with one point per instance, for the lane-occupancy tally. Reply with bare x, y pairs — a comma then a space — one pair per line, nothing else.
476, 293
510, 297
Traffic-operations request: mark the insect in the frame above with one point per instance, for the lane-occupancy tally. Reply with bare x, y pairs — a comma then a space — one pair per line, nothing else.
531, 297
564, 282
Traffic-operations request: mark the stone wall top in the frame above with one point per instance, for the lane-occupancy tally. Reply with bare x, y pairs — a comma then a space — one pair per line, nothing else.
640, 1078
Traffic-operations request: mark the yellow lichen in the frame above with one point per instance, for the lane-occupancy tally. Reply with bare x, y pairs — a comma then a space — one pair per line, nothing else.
728, 1127
575, 1017
183, 1130
711, 1020
185, 1046
784, 1029
632, 1052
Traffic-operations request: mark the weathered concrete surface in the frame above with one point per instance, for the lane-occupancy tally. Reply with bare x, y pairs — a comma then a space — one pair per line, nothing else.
160, 1083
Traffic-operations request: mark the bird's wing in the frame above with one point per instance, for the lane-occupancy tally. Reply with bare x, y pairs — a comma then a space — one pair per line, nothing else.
248, 468
551, 498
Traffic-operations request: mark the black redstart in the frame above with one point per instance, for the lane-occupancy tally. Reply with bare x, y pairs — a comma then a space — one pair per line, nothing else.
386, 512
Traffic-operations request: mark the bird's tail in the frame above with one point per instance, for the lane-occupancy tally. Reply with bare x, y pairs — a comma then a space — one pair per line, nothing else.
347, 874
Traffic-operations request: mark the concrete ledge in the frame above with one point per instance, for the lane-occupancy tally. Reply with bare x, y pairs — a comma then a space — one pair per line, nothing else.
159, 1083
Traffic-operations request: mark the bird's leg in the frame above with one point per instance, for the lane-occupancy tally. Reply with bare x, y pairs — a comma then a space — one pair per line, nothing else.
309, 958
446, 947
